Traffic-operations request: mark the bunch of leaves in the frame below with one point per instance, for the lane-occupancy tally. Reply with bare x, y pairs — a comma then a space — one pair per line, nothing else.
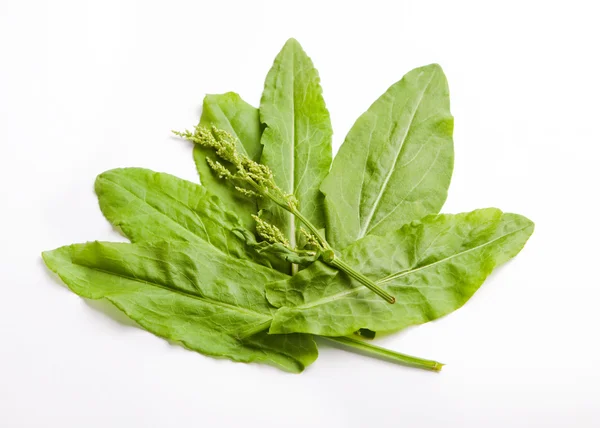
228, 269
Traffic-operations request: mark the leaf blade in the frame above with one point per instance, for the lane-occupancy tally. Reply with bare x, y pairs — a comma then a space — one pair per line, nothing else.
408, 161
152, 207
432, 267
177, 301
297, 138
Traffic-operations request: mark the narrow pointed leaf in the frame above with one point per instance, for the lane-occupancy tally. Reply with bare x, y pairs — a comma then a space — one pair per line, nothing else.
432, 267
209, 302
297, 138
230, 113
396, 162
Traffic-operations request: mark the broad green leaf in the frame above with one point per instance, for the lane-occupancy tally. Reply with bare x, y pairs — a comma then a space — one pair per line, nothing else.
210, 302
232, 114
151, 207
432, 267
297, 138
396, 162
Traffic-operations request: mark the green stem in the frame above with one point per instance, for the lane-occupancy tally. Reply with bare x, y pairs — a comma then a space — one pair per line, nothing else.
386, 354
349, 270
312, 228
336, 262
331, 258
364, 347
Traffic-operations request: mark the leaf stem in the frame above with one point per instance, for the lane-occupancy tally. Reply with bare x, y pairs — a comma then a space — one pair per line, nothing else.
349, 270
386, 354
366, 348
340, 264
311, 227
294, 269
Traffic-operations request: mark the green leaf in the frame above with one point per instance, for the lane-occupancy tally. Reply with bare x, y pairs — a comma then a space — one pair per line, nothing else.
232, 114
297, 138
396, 162
152, 207
432, 267
210, 302
141, 203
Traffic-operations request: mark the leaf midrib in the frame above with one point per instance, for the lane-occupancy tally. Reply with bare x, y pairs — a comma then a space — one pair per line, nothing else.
366, 224
176, 291
292, 190
433, 163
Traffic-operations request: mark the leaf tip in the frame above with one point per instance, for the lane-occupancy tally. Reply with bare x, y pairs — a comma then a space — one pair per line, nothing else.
292, 42
45, 256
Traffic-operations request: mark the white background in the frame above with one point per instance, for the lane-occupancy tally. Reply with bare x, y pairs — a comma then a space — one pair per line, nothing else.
88, 86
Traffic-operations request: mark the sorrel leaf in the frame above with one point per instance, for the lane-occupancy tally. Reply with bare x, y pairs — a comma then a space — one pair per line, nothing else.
432, 267
396, 162
192, 294
297, 138
150, 206
153, 207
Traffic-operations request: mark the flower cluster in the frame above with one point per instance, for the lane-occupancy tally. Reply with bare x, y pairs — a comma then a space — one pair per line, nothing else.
249, 177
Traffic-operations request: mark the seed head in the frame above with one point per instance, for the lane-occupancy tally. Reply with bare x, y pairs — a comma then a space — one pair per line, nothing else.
250, 178
270, 233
